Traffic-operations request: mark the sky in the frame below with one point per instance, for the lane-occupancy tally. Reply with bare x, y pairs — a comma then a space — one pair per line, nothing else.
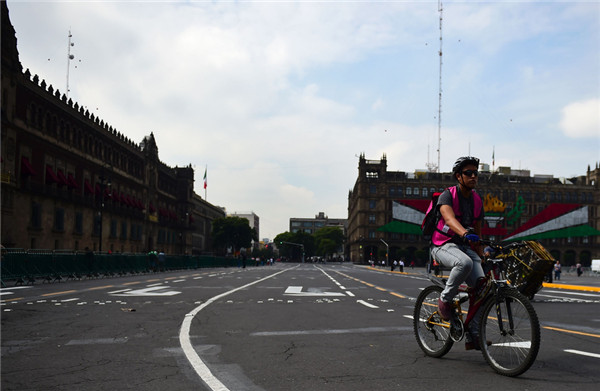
276, 100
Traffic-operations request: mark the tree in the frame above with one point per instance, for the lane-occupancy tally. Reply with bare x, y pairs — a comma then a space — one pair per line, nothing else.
291, 244
232, 232
328, 240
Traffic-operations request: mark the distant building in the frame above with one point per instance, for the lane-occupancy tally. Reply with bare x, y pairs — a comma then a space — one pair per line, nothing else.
253, 220
563, 214
312, 225
70, 181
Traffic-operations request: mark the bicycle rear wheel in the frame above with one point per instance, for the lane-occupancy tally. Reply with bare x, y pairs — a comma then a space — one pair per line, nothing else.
432, 333
513, 329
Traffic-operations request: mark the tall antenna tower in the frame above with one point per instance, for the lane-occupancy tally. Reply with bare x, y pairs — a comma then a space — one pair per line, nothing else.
69, 58
441, 11
432, 166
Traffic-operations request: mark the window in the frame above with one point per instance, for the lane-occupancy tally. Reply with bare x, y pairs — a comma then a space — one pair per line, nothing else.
113, 228
372, 204
371, 234
372, 219
59, 219
392, 191
97, 225
399, 191
36, 215
123, 230
78, 223
372, 174
373, 189
424, 192
409, 191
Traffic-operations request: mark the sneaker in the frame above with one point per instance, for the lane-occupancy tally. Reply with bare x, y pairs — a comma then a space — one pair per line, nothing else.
444, 309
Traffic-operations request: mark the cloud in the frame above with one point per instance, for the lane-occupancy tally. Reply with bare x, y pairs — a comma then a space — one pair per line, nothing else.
581, 119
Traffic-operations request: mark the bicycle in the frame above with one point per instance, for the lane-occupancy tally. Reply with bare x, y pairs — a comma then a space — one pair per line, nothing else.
506, 324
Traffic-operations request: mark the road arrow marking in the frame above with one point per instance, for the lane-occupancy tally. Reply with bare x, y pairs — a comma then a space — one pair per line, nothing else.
151, 291
297, 291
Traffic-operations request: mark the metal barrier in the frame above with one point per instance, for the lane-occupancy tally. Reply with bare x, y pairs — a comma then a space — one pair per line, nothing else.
29, 266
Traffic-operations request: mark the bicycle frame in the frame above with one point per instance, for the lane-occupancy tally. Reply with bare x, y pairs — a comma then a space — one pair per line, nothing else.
496, 277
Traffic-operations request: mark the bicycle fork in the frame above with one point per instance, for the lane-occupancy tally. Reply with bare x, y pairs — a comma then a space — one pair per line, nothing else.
511, 326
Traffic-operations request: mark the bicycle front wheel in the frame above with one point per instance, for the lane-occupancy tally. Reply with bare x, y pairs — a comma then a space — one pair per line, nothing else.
432, 333
511, 325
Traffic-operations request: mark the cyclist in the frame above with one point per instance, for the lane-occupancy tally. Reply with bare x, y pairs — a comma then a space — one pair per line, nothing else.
454, 242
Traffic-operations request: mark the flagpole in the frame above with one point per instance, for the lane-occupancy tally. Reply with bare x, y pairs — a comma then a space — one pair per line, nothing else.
205, 181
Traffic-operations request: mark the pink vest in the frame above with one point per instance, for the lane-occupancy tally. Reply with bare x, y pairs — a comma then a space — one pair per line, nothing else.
442, 232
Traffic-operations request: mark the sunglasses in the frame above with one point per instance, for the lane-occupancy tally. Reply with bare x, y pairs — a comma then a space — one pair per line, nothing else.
470, 173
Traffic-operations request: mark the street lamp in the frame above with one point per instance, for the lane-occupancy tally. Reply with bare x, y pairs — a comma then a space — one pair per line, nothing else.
387, 252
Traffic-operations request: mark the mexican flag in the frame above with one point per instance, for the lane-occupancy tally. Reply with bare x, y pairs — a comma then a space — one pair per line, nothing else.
205, 177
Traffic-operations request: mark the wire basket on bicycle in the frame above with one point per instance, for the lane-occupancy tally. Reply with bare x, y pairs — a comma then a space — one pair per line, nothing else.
527, 263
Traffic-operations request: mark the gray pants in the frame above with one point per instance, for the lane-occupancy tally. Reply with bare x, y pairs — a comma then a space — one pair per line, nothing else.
465, 265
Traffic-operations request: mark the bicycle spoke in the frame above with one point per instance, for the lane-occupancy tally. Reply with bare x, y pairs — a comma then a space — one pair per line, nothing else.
513, 332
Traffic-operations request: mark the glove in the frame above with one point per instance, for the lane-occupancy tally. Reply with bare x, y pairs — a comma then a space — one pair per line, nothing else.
470, 236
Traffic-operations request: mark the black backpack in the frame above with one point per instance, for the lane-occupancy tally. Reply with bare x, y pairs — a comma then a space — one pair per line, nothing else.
431, 216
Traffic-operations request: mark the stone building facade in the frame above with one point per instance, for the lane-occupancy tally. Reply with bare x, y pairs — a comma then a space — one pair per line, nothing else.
312, 225
70, 181
562, 214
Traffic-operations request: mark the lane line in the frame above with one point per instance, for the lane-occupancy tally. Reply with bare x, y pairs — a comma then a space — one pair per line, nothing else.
58, 293
571, 331
595, 355
366, 304
200, 366
100, 287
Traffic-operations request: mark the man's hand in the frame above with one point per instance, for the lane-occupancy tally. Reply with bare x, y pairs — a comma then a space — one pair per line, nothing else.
470, 236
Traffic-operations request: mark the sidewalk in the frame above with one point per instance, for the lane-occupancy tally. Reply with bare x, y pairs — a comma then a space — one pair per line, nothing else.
587, 281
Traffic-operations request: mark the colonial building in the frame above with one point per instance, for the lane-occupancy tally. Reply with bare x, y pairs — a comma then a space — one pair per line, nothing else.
310, 225
388, 206
71, 181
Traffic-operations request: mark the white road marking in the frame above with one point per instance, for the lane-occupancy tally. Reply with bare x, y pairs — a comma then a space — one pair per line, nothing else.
186, 344
297, 291
570, 293
152, 291
329, 331
366, 304
120, 291
595, 355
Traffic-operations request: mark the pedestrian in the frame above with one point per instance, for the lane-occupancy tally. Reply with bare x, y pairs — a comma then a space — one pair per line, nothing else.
394, 264
401, 264
557, 270
162, 260
579, 269
412, 264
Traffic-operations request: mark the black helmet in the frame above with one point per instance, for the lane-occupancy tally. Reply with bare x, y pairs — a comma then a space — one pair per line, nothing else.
463, 161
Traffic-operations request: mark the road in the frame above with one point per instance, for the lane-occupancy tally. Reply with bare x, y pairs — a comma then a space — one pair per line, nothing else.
282, 327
